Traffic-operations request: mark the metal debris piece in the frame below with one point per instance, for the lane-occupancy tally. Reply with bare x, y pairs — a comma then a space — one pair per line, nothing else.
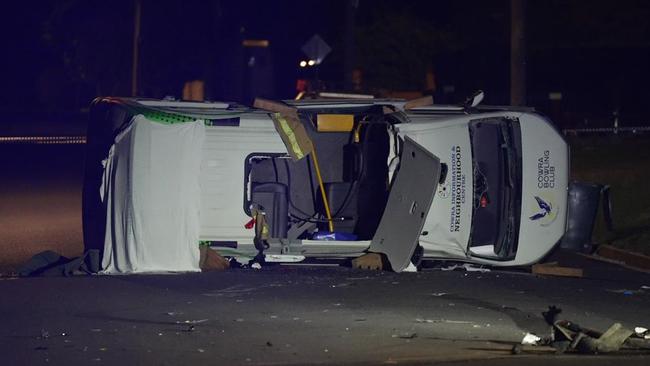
530, 339
611, 340
568, 336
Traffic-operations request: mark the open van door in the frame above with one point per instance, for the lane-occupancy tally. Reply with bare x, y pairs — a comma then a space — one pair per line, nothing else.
411, 195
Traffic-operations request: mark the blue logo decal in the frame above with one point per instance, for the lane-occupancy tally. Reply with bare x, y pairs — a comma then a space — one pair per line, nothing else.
544, 209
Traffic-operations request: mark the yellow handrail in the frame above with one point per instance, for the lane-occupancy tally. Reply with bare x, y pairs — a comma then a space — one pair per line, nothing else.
322, 190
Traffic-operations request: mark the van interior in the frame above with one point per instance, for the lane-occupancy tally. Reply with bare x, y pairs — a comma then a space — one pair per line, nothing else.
353, 161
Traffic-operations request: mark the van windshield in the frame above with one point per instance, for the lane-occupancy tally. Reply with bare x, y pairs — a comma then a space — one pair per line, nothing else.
496, 164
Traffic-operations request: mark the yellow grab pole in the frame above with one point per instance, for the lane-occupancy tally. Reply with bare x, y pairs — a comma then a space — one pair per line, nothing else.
322, 191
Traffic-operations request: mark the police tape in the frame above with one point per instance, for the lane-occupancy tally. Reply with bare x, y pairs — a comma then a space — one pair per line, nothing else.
576, 131
60, 140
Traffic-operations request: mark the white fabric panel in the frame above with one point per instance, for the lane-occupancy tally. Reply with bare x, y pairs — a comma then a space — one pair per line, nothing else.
152, 194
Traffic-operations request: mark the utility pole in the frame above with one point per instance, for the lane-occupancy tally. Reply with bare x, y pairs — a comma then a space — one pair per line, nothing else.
137, 9
518, 52
348, 62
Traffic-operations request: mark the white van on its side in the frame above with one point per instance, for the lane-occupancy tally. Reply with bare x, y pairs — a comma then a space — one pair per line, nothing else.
478, 184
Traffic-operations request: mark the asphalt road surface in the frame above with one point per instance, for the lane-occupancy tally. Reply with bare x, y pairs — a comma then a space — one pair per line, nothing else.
40, 201
309, 315
277, 315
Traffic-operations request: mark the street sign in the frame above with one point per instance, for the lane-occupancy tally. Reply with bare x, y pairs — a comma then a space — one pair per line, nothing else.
316, 49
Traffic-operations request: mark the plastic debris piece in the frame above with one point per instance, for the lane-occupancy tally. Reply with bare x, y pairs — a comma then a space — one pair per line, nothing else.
410, 268
201, 350
256, 266
640, 331
438, 294
530, 339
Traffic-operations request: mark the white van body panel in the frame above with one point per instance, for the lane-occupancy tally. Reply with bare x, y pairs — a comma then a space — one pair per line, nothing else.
448, 224
222, 175
545, 175
444, 133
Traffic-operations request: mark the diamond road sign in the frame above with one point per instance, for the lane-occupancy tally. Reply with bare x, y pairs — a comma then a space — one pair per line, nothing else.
316, 49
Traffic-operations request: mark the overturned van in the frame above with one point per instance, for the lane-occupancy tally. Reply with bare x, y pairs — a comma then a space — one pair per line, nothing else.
321, 179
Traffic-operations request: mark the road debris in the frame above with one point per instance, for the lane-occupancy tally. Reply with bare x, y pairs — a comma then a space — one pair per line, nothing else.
626, 292
210, 260
630, 260
369, 261
410, 268
419, 320
530, 339
405, 335
642, 332
567, 336
552, 269
467, 267
192, 321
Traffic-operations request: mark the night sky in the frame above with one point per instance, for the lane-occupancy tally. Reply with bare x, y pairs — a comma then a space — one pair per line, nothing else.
59, 55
